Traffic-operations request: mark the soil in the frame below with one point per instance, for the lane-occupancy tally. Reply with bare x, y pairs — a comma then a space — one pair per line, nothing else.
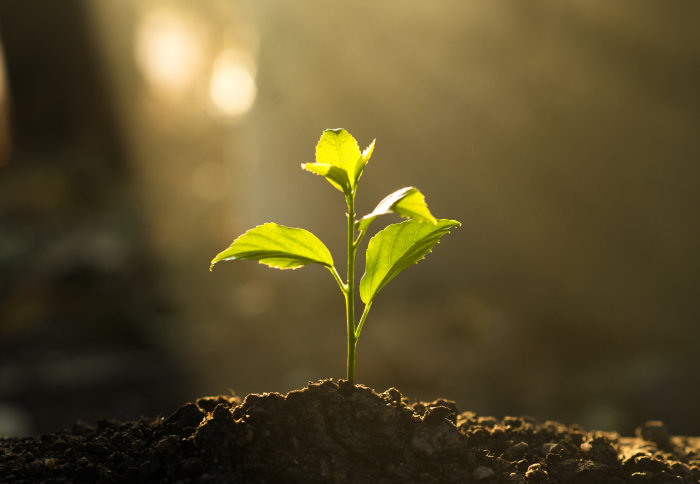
333, 431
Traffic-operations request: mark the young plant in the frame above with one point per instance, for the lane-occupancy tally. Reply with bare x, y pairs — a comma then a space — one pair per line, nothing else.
340, 161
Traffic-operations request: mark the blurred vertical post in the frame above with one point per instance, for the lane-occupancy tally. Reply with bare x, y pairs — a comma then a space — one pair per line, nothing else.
185, 77
5, 139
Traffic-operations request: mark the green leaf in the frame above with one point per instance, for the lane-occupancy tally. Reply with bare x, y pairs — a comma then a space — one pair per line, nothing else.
277, 246
339, 160
366, 155
395, 248
408, 202
336, 176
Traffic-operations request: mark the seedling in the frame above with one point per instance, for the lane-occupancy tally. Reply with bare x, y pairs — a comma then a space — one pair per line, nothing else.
340, 161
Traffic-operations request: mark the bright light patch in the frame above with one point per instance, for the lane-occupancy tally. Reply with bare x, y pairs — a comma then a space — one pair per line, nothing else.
232, 88
169, 50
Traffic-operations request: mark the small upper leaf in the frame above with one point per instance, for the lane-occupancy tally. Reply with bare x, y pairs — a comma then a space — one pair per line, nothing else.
408, 202
395, 248
277, 246
339, 160
366, 155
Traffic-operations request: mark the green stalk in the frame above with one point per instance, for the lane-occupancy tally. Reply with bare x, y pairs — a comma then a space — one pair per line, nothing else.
337, 278
350, 293
362, 320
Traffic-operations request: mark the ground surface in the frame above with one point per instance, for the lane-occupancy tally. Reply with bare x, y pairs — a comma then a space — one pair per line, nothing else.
335, 432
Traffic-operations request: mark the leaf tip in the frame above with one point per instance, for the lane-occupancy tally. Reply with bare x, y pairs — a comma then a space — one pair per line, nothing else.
368, 151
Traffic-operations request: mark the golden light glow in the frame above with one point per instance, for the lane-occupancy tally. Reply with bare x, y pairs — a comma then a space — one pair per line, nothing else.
232, 88
169, 50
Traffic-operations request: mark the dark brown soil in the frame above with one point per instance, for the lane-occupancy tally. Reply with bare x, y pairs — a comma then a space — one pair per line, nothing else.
332, 431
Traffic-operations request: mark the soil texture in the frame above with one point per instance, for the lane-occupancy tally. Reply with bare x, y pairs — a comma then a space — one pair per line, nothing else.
336, 432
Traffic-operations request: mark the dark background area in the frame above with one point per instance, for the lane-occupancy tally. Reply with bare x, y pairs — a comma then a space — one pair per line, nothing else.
137, 139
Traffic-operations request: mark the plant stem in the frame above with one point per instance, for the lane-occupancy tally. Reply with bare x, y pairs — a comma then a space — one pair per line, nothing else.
362, 320
350, 293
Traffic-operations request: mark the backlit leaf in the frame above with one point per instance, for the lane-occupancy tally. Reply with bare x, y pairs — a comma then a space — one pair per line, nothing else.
335, 175
366, 155
338, 150
397, 247
277, 246
408, 202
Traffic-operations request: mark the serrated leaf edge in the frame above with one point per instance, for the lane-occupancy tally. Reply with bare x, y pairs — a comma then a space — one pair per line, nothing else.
439, 233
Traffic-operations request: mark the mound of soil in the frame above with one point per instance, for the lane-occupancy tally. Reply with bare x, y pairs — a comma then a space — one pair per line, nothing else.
333, 431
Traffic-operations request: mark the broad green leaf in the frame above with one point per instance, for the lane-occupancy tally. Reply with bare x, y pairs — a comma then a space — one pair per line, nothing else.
407, 202
395, 248
337, 148
277, 246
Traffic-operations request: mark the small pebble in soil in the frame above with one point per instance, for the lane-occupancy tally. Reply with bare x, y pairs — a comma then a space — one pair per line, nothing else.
654, 431
438, 414
516, 451
535, 473
515, 478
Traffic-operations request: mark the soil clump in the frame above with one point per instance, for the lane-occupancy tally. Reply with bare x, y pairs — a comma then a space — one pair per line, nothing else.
335, 432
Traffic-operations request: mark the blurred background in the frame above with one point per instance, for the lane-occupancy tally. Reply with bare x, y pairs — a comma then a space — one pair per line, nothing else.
139, 138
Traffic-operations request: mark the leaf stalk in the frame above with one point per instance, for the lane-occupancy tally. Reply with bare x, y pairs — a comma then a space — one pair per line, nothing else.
362, 320
336, 276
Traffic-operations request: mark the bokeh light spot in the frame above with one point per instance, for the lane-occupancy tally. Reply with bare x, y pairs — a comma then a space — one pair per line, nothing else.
232, 88
169, 50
